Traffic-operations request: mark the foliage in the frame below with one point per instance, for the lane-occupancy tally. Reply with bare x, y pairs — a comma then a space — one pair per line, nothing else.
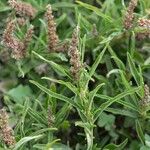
102, 108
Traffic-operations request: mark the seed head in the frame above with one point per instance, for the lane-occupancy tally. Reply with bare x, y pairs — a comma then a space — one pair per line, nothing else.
146, 99
21, 21
22, 8
11, 42
18, 52
74, 54
144, 23
18, 47
8, 34
53, 39
27, 39
143, 35
50, 117
6, 131
129, 16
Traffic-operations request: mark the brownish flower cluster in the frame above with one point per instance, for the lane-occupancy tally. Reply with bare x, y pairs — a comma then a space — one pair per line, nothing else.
50, 117
53, 39
143, 35
18, 47
6, 131
21, 21
28, 36
74, 54
145, 24
129, 16
146, 100
7, 36
22, 8
54, 44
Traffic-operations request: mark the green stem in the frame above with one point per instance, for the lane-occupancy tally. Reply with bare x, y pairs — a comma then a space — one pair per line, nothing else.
89, 137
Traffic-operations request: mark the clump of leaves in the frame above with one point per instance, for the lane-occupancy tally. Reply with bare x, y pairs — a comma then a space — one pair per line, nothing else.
90, 91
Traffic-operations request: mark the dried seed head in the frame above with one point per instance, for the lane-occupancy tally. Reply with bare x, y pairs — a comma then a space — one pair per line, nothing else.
8, 34
147, 91
28, 36
62, 47
18, 51
129, 16
11, 42
18, 47
22, 8
144, 23
74, 54
146, 100
21, 21
50, 117
142, 36
53, 39
6, 131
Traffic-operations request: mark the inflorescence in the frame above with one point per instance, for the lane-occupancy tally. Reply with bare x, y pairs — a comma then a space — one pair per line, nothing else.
5, 129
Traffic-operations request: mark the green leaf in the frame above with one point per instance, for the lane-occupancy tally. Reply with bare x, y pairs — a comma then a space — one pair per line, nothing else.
96, 63
59, 147
133, 69
132, 44
116, 147
37, 116
56, 67
144, 147
127, 85
25, 140
106, 121
138, 75
62, 114
140, 132
122, 112
55, 95
43, 130
147, 140
113, 71
119, 63
20, 93
63, 5
124, 103
67, 84
92, 94
4, 9
96, 10
105, 105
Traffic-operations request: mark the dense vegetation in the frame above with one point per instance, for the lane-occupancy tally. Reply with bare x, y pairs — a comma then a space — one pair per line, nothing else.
75, 75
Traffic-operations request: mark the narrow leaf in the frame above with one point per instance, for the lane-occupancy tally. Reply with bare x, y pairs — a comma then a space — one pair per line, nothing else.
111, 101
140, 132
55, 95
25, 140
